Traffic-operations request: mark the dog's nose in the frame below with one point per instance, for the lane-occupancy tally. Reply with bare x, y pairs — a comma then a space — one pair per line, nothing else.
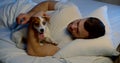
41, 30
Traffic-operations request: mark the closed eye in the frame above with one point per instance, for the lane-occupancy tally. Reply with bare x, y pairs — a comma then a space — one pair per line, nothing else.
78, 27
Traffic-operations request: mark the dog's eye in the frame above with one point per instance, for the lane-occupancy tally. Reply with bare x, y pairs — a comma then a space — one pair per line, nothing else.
36, 24
44, 23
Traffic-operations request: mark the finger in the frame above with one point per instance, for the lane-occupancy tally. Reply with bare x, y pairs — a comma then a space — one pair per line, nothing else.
19, 18
46, 15
25, 20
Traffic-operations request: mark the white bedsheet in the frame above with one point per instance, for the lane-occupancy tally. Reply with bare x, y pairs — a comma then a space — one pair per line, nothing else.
9, 53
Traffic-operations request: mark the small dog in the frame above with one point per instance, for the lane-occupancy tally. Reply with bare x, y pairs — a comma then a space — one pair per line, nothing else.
41, 31
39, 25
38, 36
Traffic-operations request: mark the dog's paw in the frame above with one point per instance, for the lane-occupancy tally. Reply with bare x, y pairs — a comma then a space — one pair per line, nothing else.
51, 41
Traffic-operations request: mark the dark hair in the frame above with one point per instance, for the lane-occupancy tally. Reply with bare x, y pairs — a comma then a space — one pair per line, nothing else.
95, 27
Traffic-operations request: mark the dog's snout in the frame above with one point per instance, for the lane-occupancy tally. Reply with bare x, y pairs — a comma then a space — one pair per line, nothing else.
41, 30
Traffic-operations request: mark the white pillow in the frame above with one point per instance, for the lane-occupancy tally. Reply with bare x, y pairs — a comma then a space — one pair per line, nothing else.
101, 13
89, 47
99, 46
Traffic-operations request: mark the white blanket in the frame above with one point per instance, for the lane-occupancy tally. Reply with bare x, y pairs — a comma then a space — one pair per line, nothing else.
9, 53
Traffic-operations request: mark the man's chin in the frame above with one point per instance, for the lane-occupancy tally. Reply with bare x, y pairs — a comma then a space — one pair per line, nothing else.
72, 36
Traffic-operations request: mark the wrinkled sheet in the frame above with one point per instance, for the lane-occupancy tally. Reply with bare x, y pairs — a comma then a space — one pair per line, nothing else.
8, 50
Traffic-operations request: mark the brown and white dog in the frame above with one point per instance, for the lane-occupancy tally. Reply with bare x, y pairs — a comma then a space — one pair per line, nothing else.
41, 32
39, 42
37, 24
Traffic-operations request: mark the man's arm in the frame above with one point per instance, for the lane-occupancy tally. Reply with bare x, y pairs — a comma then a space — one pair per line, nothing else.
41, 7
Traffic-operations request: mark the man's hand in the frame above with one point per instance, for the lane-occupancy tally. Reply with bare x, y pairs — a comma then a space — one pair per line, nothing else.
42, 6
23, 18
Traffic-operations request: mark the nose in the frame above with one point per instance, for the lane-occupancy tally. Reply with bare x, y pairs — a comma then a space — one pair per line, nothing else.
41, 30
73, 26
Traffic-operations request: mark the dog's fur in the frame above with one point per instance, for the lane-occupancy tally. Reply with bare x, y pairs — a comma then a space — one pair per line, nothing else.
37, 24
35, 29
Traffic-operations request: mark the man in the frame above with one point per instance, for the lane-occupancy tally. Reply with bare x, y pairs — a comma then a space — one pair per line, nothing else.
86, 28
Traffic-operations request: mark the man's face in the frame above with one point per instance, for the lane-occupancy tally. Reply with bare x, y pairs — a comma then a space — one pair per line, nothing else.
77, 30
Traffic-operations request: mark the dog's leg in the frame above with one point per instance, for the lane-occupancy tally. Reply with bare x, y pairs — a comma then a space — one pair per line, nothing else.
48, 36
18, 36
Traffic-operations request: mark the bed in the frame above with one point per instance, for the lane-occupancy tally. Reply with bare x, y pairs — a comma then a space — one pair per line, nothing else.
84, 53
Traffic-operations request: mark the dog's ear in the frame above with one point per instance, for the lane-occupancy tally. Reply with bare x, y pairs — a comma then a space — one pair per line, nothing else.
46, 17
33, 19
